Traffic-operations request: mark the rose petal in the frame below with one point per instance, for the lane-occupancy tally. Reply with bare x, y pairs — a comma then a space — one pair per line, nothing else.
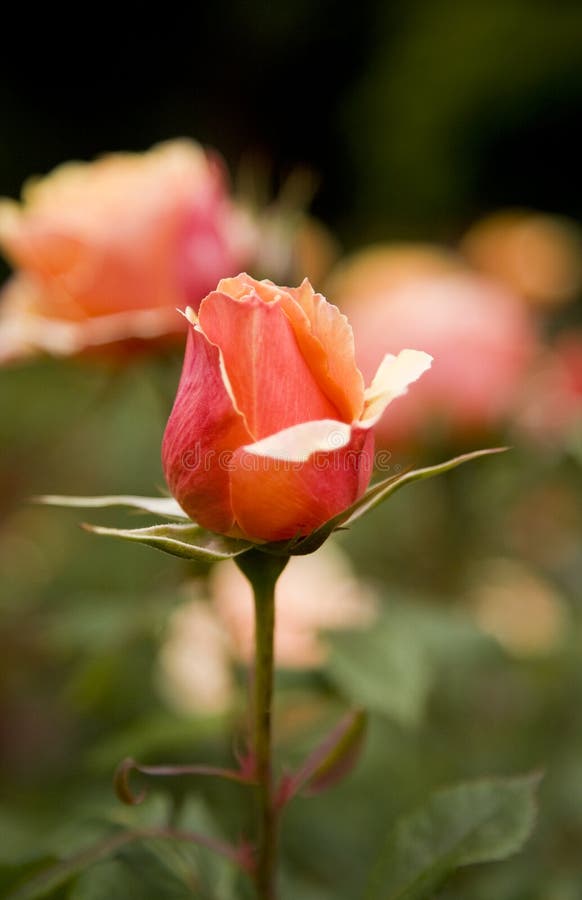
270, 381
323, 334
326, 340
391, 380
275, 498
245, 285
202, 433
298, 443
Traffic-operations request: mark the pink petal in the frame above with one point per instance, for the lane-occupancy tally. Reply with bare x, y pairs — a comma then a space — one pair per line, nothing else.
276, 498
202, 433
271, 383
327, 343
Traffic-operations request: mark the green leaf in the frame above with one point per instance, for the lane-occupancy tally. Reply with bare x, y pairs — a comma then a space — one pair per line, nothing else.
384, 669
166, 507
167, 839
476, 822
186, 541
110, 880
375, 495
52, 877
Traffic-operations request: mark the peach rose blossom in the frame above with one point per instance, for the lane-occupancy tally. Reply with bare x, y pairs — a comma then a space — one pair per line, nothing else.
481, 337
193, 671
538, 256
271, 431
105, 251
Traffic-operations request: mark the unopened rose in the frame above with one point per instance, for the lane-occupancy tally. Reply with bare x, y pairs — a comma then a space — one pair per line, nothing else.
271, 431
105, 251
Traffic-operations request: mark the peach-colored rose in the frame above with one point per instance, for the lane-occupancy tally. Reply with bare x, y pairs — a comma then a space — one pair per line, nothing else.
536, 255
481, 338
315, 594
105, 251
271, 431
194, 672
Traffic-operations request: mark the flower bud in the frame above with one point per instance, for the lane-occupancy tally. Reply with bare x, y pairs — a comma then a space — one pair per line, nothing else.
271, 431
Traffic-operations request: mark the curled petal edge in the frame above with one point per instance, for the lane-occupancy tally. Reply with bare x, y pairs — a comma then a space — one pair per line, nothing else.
394, 376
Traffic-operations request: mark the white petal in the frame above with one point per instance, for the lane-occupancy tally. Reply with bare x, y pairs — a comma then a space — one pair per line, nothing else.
391, 380
298, 443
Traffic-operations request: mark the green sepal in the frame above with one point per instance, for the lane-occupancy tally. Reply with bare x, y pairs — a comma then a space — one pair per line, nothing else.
166, 507
186, 541
379, 492
375, 495
189, 541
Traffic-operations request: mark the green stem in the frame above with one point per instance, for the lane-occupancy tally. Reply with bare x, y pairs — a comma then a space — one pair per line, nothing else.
263, 571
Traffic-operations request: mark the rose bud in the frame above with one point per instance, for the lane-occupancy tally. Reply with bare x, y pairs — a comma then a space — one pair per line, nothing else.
271, 431
106, 251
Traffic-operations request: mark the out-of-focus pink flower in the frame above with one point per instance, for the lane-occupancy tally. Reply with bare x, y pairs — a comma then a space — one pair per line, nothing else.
538, 256
481, 338
550, 408
518, 608
104, 252
271, 433
194, 673
315, 594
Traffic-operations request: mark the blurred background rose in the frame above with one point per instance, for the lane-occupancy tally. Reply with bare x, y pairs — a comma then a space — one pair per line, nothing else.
317, 594
549, 411
538, 256
481, 337
106, 251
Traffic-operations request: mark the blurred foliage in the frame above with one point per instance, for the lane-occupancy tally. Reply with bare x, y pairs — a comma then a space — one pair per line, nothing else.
82, 620
417, 117
460, 111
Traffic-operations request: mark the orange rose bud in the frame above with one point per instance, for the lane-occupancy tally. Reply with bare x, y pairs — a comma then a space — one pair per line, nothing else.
271, 431
106, 251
